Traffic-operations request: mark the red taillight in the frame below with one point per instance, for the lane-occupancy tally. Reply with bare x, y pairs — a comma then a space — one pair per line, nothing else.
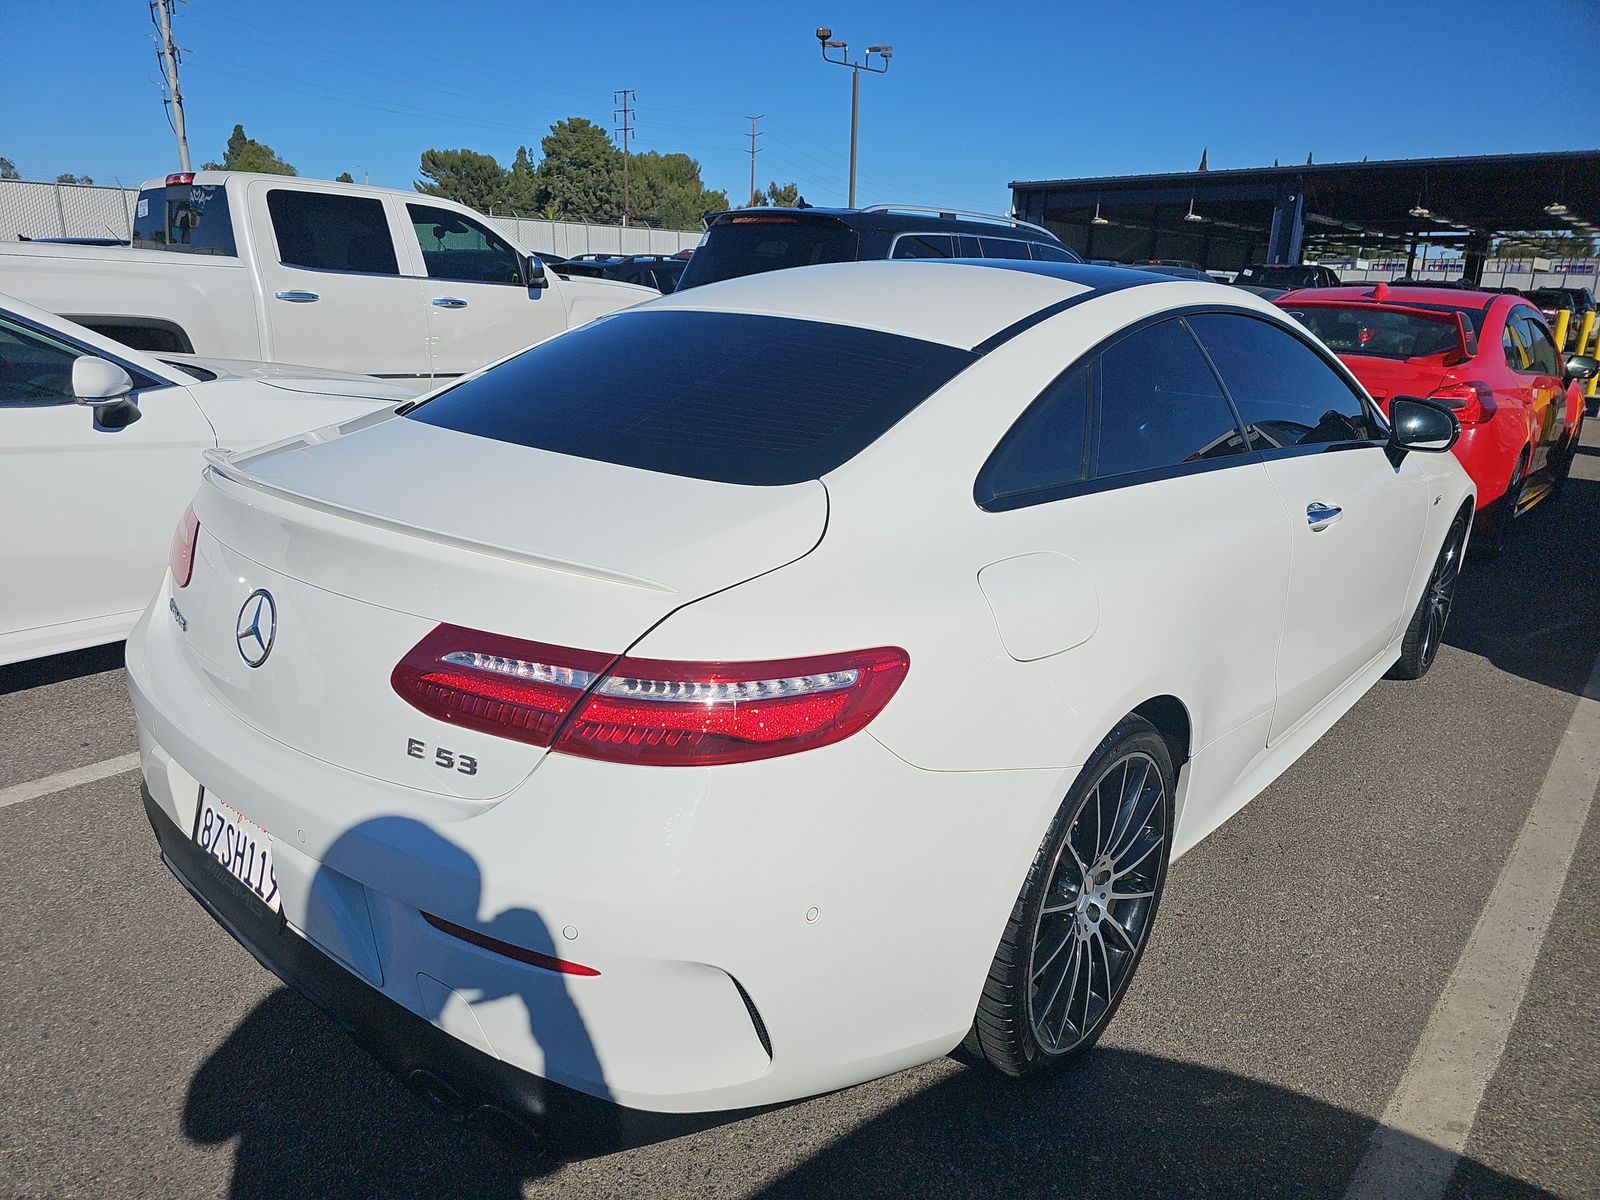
766, 220
180, 177
500, 685
1473, 402
180, 558
641, 710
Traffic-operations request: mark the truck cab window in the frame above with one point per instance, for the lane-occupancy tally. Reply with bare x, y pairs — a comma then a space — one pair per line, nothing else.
332, 232
454, 247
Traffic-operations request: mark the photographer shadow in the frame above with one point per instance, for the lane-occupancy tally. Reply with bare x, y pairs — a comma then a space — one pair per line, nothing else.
314, 1116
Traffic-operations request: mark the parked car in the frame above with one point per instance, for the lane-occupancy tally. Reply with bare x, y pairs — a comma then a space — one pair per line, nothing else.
1285, 276
658, 271
1575, 300
99, 449
339, 275
1489, 356
748, 241
841, 723
1175, 270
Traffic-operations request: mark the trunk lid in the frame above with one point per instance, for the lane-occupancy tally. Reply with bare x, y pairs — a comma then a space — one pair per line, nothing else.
1385, 377
367, 536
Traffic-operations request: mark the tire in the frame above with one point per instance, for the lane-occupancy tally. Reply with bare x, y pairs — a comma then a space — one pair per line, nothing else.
1426, 630
1499, 524
1569, 452
1075, 929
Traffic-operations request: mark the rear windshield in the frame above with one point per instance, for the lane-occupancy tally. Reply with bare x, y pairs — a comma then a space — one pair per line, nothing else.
722, 396
187, 218
751, 245
1377, 332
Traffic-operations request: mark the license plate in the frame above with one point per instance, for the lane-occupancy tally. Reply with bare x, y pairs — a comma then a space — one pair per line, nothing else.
240, 845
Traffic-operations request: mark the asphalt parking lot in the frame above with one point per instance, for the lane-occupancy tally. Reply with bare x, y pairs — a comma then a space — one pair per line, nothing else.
1291, 977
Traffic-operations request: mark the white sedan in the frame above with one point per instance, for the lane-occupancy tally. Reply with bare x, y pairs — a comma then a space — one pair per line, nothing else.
783, 682
100, 447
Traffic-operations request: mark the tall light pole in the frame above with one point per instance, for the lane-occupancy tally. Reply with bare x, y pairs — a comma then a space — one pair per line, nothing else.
167, 51
884, 53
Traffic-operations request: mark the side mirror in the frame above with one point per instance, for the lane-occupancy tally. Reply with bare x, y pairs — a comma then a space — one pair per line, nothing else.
533, 275
96, 381
1582, 366
104, 387
1417, 424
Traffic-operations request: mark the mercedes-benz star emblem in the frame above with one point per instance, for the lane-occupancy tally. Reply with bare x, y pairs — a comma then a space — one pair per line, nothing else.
256, 627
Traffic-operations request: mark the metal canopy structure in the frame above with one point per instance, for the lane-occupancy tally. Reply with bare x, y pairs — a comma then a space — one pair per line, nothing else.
1226, 219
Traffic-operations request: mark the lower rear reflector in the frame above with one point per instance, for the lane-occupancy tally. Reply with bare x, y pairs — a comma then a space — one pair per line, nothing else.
523, 955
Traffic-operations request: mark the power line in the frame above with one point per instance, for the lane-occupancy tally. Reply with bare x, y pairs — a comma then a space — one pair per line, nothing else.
623, 98
753, 152
161, 17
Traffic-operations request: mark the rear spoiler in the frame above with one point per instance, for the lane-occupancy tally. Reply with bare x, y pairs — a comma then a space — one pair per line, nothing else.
1466, 339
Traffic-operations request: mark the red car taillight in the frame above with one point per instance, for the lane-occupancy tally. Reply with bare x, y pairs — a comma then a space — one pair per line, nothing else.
641, 710
1473, 402
180, 558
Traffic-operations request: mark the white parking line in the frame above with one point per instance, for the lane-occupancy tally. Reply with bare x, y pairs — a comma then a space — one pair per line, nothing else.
62, 780
1414, 1151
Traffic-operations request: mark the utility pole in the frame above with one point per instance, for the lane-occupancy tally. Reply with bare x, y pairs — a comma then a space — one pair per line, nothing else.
753, 136
625, 97
884, 53
161, 15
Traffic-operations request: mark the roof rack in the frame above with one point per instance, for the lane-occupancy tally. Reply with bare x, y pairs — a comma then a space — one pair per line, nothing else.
1016, 222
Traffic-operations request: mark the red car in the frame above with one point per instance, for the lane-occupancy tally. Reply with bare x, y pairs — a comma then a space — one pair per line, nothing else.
1489, 356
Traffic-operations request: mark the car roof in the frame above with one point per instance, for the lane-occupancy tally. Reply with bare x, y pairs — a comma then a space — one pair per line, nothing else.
1363, 292
912, 218
956, 302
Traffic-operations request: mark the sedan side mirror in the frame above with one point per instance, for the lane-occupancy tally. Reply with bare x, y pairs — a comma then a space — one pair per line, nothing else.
533, 275
1582, 366
104, 387
1417, 424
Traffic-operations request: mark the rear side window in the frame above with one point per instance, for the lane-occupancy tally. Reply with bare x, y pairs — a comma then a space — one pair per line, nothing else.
924, 245
1045, 252
332, 233
1159, 405
1044, 449
455, 248
185, 218
1002, 248
722, 396
1286, 393
1542, 354
753, 244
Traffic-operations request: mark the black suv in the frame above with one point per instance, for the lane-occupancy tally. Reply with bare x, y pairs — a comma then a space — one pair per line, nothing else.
1287, 276
660, 271
748, 241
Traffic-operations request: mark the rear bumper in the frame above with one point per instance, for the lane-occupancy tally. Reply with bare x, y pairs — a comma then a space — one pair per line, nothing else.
445, 1070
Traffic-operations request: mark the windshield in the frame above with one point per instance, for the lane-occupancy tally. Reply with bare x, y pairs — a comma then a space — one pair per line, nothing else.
1284, 275
1377, 332
749, 245
723, 396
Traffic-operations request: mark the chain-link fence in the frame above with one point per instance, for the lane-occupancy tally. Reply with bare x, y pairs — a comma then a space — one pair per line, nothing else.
38, 210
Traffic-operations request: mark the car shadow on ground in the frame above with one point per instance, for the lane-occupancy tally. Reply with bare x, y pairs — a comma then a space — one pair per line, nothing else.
58, 668
1533, 610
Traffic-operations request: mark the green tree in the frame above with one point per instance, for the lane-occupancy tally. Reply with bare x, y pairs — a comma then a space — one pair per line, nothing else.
580, 175
781, 196
247, 154
466, 177
344, 177
522, 190
669, 193
79, 179
8, 169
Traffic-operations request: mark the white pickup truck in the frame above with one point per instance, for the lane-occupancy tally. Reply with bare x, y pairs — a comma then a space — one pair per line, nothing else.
280, 269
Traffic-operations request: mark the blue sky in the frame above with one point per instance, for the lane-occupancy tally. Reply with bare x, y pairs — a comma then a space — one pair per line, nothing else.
1064, 89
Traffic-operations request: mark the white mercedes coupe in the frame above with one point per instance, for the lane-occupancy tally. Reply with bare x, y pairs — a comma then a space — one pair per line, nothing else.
100, 448
781, 683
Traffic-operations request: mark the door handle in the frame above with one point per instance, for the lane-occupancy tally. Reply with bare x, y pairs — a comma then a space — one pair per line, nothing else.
1320, 515
450, 302
296, 297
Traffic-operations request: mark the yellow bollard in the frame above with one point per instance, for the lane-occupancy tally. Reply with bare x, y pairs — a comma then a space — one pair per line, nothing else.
1563, 319
1581, 346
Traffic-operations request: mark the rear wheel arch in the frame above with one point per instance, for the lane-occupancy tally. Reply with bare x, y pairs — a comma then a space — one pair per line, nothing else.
1171, 718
